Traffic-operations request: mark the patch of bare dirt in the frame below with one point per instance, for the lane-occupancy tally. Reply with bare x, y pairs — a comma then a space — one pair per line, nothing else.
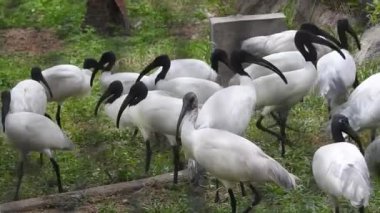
187, 31
29, 40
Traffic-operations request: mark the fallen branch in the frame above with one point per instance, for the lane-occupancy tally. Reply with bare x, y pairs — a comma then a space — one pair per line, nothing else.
74, 197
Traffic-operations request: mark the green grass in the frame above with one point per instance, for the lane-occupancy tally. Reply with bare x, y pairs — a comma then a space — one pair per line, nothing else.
104, 154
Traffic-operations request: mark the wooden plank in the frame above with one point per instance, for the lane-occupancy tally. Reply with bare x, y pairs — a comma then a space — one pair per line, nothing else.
56, 200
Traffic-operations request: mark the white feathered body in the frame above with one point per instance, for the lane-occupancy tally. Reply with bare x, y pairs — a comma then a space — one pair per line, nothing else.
341, 171
34, 132
28, 96
276, 43
178, 87
194, 68
272, 93
230, 108
362, 107
126, 78
67, 81
335, 76
372, 156
158, 112
231, 158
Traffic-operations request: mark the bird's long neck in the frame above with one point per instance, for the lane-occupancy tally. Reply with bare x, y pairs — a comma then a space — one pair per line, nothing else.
188, 127
337, 135
342, 38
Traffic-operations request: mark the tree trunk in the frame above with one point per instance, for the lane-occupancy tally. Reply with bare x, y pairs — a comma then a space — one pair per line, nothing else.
107, 16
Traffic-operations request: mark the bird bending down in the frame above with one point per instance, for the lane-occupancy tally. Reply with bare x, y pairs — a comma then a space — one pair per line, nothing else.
279, 97
228, 157
68, 81
153, 112
28, 132
361, 108
335, 74
340, 170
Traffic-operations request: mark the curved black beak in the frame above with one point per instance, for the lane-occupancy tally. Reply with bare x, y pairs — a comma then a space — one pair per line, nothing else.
162, 60
240, 56
351, 31
90, 63
354, 135
189, 102
137, 93
36, 74
107, 94
216, 56
93, 74
123, 106
6, 101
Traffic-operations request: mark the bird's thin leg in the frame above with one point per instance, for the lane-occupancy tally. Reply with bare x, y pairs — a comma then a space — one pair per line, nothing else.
242, 189
176, 163
58, 116
283, 118
361, 209
232, 200
256, 199
57, 172
20, 175
262, 128
41, 159
336, 209
134, 133
48, 116
277, 119
373, 134
217, 198
148, 155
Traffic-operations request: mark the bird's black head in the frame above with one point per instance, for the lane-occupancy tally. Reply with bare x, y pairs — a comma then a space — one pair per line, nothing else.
137, 93
90, 63
216, 56
106, 62
6, 102
340, 124
160, 61
304, 42
190, 102
113, 92
36, 74
343, 27
312, 28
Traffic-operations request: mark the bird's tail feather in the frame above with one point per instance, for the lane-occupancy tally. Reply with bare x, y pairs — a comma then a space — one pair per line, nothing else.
356, 186
282, 177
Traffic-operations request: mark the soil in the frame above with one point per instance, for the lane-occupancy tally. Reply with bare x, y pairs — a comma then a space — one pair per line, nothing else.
29, 40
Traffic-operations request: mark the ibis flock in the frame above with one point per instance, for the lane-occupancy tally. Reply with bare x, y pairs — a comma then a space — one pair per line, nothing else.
183, 101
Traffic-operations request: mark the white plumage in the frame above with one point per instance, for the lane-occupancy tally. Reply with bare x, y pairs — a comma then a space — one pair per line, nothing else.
283, 42
28, 96
153, 112
231, 108
372, 156
274, 96
228, 157
340, 170
361, 108
68, 81
28, 132
337, 75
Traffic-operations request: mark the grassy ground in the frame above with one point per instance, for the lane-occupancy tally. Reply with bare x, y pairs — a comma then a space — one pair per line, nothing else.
104, 154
